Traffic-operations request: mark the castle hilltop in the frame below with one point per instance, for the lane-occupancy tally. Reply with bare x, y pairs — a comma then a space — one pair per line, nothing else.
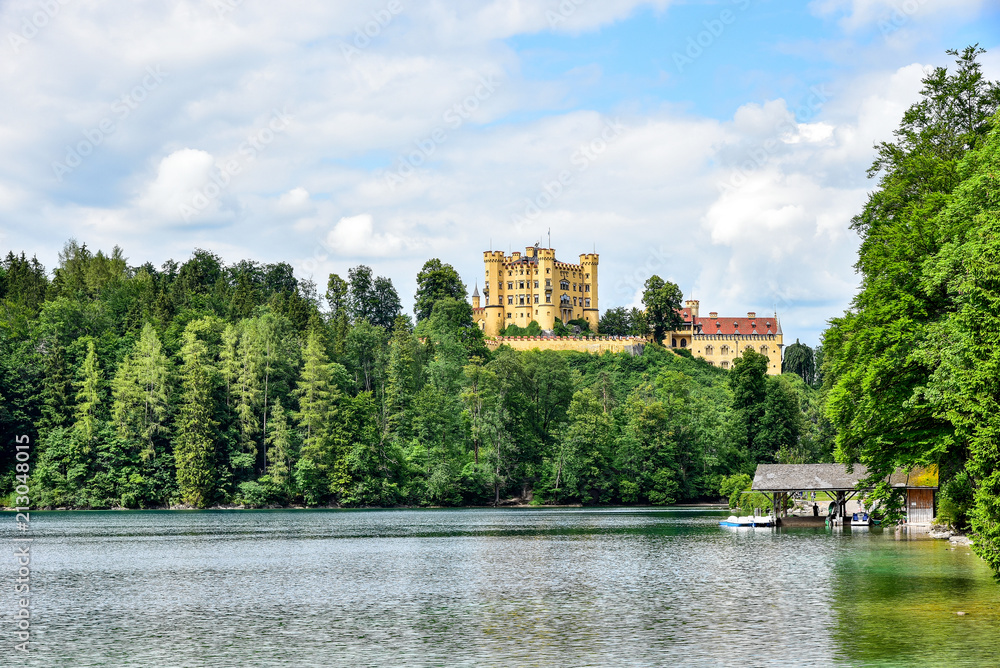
519, 288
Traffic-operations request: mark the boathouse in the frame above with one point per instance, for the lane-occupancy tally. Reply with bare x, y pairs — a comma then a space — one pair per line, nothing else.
780, 480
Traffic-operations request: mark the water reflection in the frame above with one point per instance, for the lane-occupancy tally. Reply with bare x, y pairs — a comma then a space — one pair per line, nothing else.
495, 587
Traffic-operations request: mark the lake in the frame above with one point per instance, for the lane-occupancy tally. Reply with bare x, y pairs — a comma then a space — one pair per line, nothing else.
524, 587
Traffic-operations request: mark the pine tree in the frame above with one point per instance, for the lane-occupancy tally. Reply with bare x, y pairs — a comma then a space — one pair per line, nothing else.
141, 391
88, 396
279, 453
194, 444
316, 393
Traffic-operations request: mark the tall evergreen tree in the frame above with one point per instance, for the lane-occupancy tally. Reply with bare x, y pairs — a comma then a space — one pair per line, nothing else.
89, 399
194, 445
141, 392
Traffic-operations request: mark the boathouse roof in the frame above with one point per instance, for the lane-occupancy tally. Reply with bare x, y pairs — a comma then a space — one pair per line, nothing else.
833, 477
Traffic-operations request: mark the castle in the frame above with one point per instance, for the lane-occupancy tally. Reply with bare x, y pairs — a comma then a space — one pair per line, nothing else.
536, 286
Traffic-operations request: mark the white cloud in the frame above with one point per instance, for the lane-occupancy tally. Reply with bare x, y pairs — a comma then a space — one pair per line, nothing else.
355, 237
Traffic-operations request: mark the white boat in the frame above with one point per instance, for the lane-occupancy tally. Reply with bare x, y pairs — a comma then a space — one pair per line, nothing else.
860, 520
734, 521
748, 521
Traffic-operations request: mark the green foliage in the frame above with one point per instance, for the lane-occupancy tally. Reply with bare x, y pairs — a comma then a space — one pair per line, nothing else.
800, 360
663, 302
533, 329
615, 322
956, 501
912, 367
204, 383
436, 281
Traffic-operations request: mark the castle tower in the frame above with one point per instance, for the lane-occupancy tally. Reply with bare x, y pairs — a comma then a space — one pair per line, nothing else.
591, 310
475, 297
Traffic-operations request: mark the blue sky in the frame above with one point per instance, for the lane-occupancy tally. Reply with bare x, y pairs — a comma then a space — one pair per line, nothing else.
721, 145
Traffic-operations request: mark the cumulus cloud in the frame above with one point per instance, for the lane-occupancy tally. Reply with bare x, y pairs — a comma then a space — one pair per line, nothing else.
355, 237
656, 196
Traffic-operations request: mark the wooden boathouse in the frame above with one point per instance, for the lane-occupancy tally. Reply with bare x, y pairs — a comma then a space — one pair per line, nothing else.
778, 481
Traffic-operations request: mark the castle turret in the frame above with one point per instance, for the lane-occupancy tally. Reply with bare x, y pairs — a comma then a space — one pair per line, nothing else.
475, 296
591, 310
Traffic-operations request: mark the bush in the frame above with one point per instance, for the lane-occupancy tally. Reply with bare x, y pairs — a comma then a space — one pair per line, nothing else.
956, 502
533, 329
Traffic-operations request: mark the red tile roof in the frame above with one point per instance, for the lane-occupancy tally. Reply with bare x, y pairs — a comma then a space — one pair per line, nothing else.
728, 325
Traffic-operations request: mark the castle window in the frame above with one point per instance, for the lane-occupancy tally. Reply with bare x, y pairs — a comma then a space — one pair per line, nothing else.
548, 299
588, 287
564, 284
724, 350
508, 316
725, 365
536, 285
520, 284
709, 350
521, 302
574, 301
763, 350
548, 282
548, 270
510, 285
510, 273
510, 299
536, 299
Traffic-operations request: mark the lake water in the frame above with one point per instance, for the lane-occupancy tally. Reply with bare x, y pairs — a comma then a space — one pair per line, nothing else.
516, 587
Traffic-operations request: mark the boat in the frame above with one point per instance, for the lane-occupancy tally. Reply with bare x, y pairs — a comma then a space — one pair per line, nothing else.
734, 521
747, 521
860, 520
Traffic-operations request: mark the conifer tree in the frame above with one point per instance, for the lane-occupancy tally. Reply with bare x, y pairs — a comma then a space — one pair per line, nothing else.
141, 391
279, 441
194, 445
88, 396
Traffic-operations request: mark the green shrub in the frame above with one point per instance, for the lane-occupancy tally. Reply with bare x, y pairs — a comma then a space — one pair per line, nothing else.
956, 502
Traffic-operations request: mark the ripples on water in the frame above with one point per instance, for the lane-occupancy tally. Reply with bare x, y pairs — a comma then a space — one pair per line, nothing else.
567, 587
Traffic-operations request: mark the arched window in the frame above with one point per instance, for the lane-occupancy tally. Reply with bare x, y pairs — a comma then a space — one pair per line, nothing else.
763, 350
724, 350
725, 365
684, 343
709, 350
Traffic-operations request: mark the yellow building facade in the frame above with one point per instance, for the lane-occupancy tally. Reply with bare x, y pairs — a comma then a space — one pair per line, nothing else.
519, 288
721, 339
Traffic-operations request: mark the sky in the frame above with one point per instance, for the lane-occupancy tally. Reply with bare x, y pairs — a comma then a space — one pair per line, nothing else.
722, 145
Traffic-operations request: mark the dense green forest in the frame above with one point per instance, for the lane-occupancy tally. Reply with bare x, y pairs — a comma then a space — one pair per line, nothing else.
204, 383
912, 370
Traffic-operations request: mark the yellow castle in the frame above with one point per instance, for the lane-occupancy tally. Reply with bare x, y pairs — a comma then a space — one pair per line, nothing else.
535, 286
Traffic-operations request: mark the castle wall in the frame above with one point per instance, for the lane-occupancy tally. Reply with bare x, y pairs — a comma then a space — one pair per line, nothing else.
632, 345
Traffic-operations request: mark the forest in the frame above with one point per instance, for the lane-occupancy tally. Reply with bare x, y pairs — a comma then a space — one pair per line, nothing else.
911, 371
203, 384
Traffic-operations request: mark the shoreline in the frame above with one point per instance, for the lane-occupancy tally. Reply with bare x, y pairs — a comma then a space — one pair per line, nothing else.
518, 506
